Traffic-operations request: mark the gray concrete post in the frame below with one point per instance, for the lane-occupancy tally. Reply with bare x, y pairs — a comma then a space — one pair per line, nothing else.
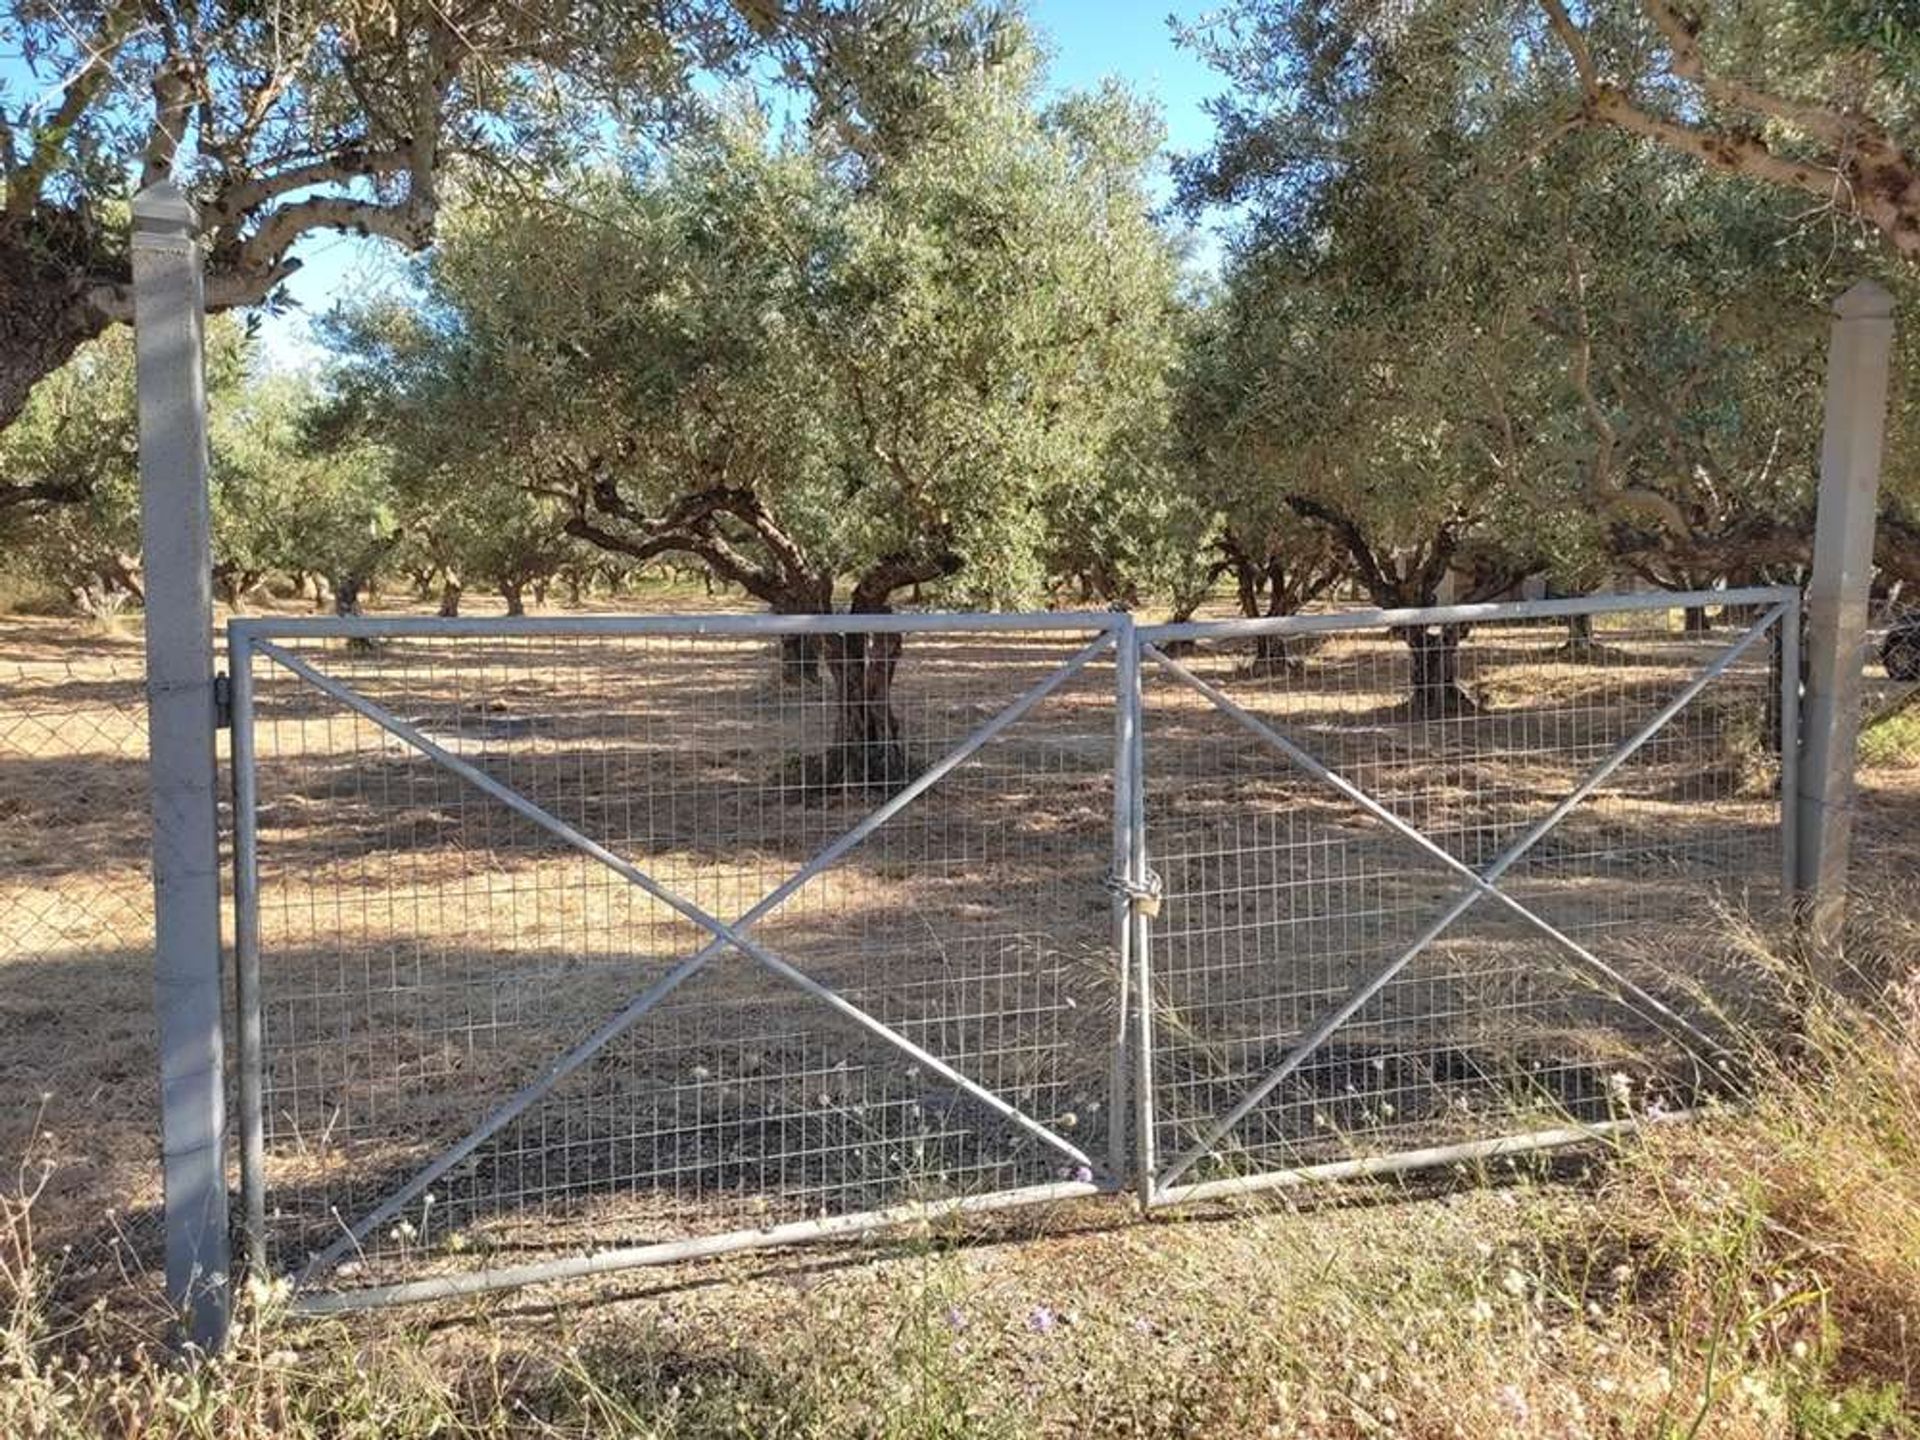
176, 552
1850, 451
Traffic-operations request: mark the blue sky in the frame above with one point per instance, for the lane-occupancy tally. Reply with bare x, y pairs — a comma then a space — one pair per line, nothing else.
1090, 40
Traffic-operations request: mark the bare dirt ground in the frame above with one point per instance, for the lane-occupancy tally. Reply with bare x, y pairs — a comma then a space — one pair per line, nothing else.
425, 952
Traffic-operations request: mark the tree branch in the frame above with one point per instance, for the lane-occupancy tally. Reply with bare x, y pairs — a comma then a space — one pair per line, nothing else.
172, 93
236, 201
687, 526
1686, 61
1575, 44
43, 493
1734, 154
1863, 170
1347, 531
82, 87
409, 223
875, 588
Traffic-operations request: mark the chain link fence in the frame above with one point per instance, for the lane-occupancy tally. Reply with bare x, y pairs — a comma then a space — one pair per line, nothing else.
1885, 859
1890, 693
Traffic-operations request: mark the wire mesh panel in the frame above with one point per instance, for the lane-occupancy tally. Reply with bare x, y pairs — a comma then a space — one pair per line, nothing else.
1329, 979
485, 1044
1883, 861
81, 1116
1890, 689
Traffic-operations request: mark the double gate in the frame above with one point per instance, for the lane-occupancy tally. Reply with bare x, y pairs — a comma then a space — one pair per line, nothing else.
566, 945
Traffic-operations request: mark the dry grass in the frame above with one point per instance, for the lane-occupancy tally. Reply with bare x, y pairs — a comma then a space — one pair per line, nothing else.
1754, 1274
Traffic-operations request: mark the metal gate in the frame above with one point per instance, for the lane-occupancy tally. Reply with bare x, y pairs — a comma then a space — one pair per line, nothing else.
735, 930
572, 944
1449, 884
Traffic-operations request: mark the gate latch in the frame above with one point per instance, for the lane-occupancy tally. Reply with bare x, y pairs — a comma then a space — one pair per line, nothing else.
222, 701
1144, 894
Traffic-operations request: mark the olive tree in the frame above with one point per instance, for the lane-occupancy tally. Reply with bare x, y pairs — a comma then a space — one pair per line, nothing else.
468, 529
69, 466
1279, 559
1358, 361
827, 367
300, 117
1814, 97
1464, 351
299, 496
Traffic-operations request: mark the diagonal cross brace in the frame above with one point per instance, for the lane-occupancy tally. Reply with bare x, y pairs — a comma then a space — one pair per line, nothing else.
724, 935
1654, 1009
1482, 883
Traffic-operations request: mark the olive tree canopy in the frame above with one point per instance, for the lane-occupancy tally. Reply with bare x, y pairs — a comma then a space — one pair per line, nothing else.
807, 360
301, 116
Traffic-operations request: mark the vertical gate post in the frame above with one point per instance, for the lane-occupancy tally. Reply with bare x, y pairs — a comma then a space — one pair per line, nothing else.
1139, 933
1126, 722
176, 552
1854, 434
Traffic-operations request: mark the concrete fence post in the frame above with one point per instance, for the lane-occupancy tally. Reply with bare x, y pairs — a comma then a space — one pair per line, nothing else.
176, 553
1836, 607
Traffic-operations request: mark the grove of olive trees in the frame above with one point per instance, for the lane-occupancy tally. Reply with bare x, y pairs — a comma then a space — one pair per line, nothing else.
838, 305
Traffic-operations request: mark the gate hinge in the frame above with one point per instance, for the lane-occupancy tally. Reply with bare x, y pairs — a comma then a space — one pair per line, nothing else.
222, 701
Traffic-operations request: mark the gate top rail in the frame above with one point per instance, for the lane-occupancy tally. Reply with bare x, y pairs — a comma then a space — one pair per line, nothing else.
245, 630
1375, 619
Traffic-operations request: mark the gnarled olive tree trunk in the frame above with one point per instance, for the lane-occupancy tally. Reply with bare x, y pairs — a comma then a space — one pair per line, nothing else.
1410, 576
1435, 692
803, 657
869, 751
869, 747
45, 312
1270, 651
349, 591
235, 585
1279, 583
1581, 645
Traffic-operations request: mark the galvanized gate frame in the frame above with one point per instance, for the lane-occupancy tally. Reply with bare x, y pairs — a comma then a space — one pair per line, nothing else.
1159, 1182
249, 639
1131, 1161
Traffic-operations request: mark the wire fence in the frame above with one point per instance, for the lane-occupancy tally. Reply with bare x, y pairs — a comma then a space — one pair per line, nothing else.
1890, 693
1330, 985
430, 957
883, 955
79, 1125
1885, 861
